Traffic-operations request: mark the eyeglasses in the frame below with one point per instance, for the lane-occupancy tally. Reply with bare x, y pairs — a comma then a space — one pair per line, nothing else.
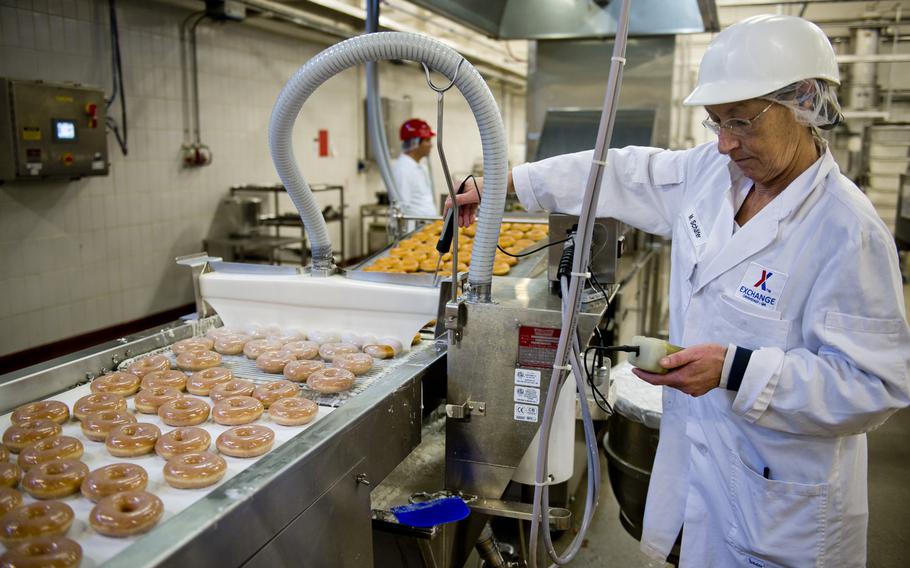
737, 126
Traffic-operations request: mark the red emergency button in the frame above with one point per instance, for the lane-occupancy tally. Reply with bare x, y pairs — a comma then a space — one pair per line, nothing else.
93, 123
68, 158
91, 109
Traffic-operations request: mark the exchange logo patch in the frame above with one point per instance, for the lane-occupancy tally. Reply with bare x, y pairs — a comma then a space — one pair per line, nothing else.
762, 286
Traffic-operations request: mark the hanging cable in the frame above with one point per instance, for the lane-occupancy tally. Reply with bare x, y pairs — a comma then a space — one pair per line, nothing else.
121, 131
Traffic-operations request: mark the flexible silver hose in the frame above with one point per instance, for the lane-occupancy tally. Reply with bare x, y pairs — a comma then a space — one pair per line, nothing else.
440, 58
572, 299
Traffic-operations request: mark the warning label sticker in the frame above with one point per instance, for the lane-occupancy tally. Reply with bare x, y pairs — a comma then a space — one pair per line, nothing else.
527, 377
529, 395
537, 346
525, 413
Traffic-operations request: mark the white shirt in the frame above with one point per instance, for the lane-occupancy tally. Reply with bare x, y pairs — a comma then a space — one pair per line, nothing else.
812, 285
413, 183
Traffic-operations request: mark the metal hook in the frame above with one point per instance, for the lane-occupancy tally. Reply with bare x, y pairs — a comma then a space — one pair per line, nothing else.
426, 71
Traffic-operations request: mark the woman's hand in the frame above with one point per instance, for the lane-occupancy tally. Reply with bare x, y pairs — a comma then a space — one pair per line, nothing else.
468, 202
694, 371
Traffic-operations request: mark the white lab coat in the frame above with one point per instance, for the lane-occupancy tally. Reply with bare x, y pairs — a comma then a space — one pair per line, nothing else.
831, 359
413, 183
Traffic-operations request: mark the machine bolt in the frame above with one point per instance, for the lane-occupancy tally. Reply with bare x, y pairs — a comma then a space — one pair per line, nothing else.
361, 478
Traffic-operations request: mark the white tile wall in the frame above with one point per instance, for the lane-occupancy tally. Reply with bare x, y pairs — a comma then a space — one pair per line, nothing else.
79, 256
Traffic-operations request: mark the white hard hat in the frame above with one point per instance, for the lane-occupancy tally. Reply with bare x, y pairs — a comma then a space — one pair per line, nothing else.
762, 54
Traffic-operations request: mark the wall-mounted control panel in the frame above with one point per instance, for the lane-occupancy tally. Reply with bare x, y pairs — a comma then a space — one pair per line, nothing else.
51, 130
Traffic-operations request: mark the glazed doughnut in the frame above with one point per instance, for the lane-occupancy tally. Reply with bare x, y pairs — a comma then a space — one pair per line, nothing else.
130, 440
92, 403
48, 518
4, 453
384, 348
298, 371
123, 384
357, 363
331, 380
287, 336
192, 471
246, 441
126, 514
257, 347
146, 365
257, 331
148, 400
192, 344
58, 447
184, 411
293, 411
54, 479
501, 268
231, 344
96, 426
49, 409
416, 339
9, 499
510, 260
169, 379
274, 361
217, 332
355, 338
201, 383
198, 360
410, 264
323, 336
329, 350
182, 441
268, 393
51, 552
237, 410
234, 387
20, 435
9, 474
301, 349
114, 478
428, 265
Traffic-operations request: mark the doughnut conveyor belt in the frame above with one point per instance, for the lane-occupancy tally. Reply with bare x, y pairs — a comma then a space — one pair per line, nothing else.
291, 503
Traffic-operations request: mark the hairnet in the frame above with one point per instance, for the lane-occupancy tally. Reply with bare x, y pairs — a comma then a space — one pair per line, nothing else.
813, 102
410, 144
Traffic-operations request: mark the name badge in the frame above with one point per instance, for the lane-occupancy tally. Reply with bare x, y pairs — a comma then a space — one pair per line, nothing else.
695, 229
762, 286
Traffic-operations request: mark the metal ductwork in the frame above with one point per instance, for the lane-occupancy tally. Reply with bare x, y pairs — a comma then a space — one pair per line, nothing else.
571, 19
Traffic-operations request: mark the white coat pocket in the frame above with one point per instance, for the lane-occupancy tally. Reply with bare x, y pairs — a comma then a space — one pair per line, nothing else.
775, 523
752, 330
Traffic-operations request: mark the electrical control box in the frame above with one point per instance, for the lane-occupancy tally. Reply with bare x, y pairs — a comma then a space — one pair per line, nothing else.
606, 246
51, 131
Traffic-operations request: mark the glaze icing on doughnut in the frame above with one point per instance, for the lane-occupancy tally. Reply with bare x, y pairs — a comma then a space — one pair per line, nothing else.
129, 440
96, 426
274, 361
299, 371
257, 347
246, 441
97, 402
183, 441
231, 344
148, 400
331, 380
384, 348
114, 478
20, 435
329, 350
293, 411
192, 471
54, 479
48, 449
44, 518
9, 499
201, 383
123, 384
234, 387
287, 335
358, 339
184, 412
4, 453
192, 344
302, 349
49, 552
237, 410
49, 409
270, 392
9, 474
357, 363
126, 514
325, 336
146, 365
171, 379
198, 360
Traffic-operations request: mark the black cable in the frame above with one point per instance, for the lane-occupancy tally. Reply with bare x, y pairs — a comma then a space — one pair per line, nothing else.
193, 54
117, 78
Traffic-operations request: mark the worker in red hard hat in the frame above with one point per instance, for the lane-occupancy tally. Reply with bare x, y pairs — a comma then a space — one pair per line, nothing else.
411, 177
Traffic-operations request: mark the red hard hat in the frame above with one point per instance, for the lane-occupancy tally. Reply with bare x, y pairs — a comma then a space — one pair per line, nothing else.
415, 128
